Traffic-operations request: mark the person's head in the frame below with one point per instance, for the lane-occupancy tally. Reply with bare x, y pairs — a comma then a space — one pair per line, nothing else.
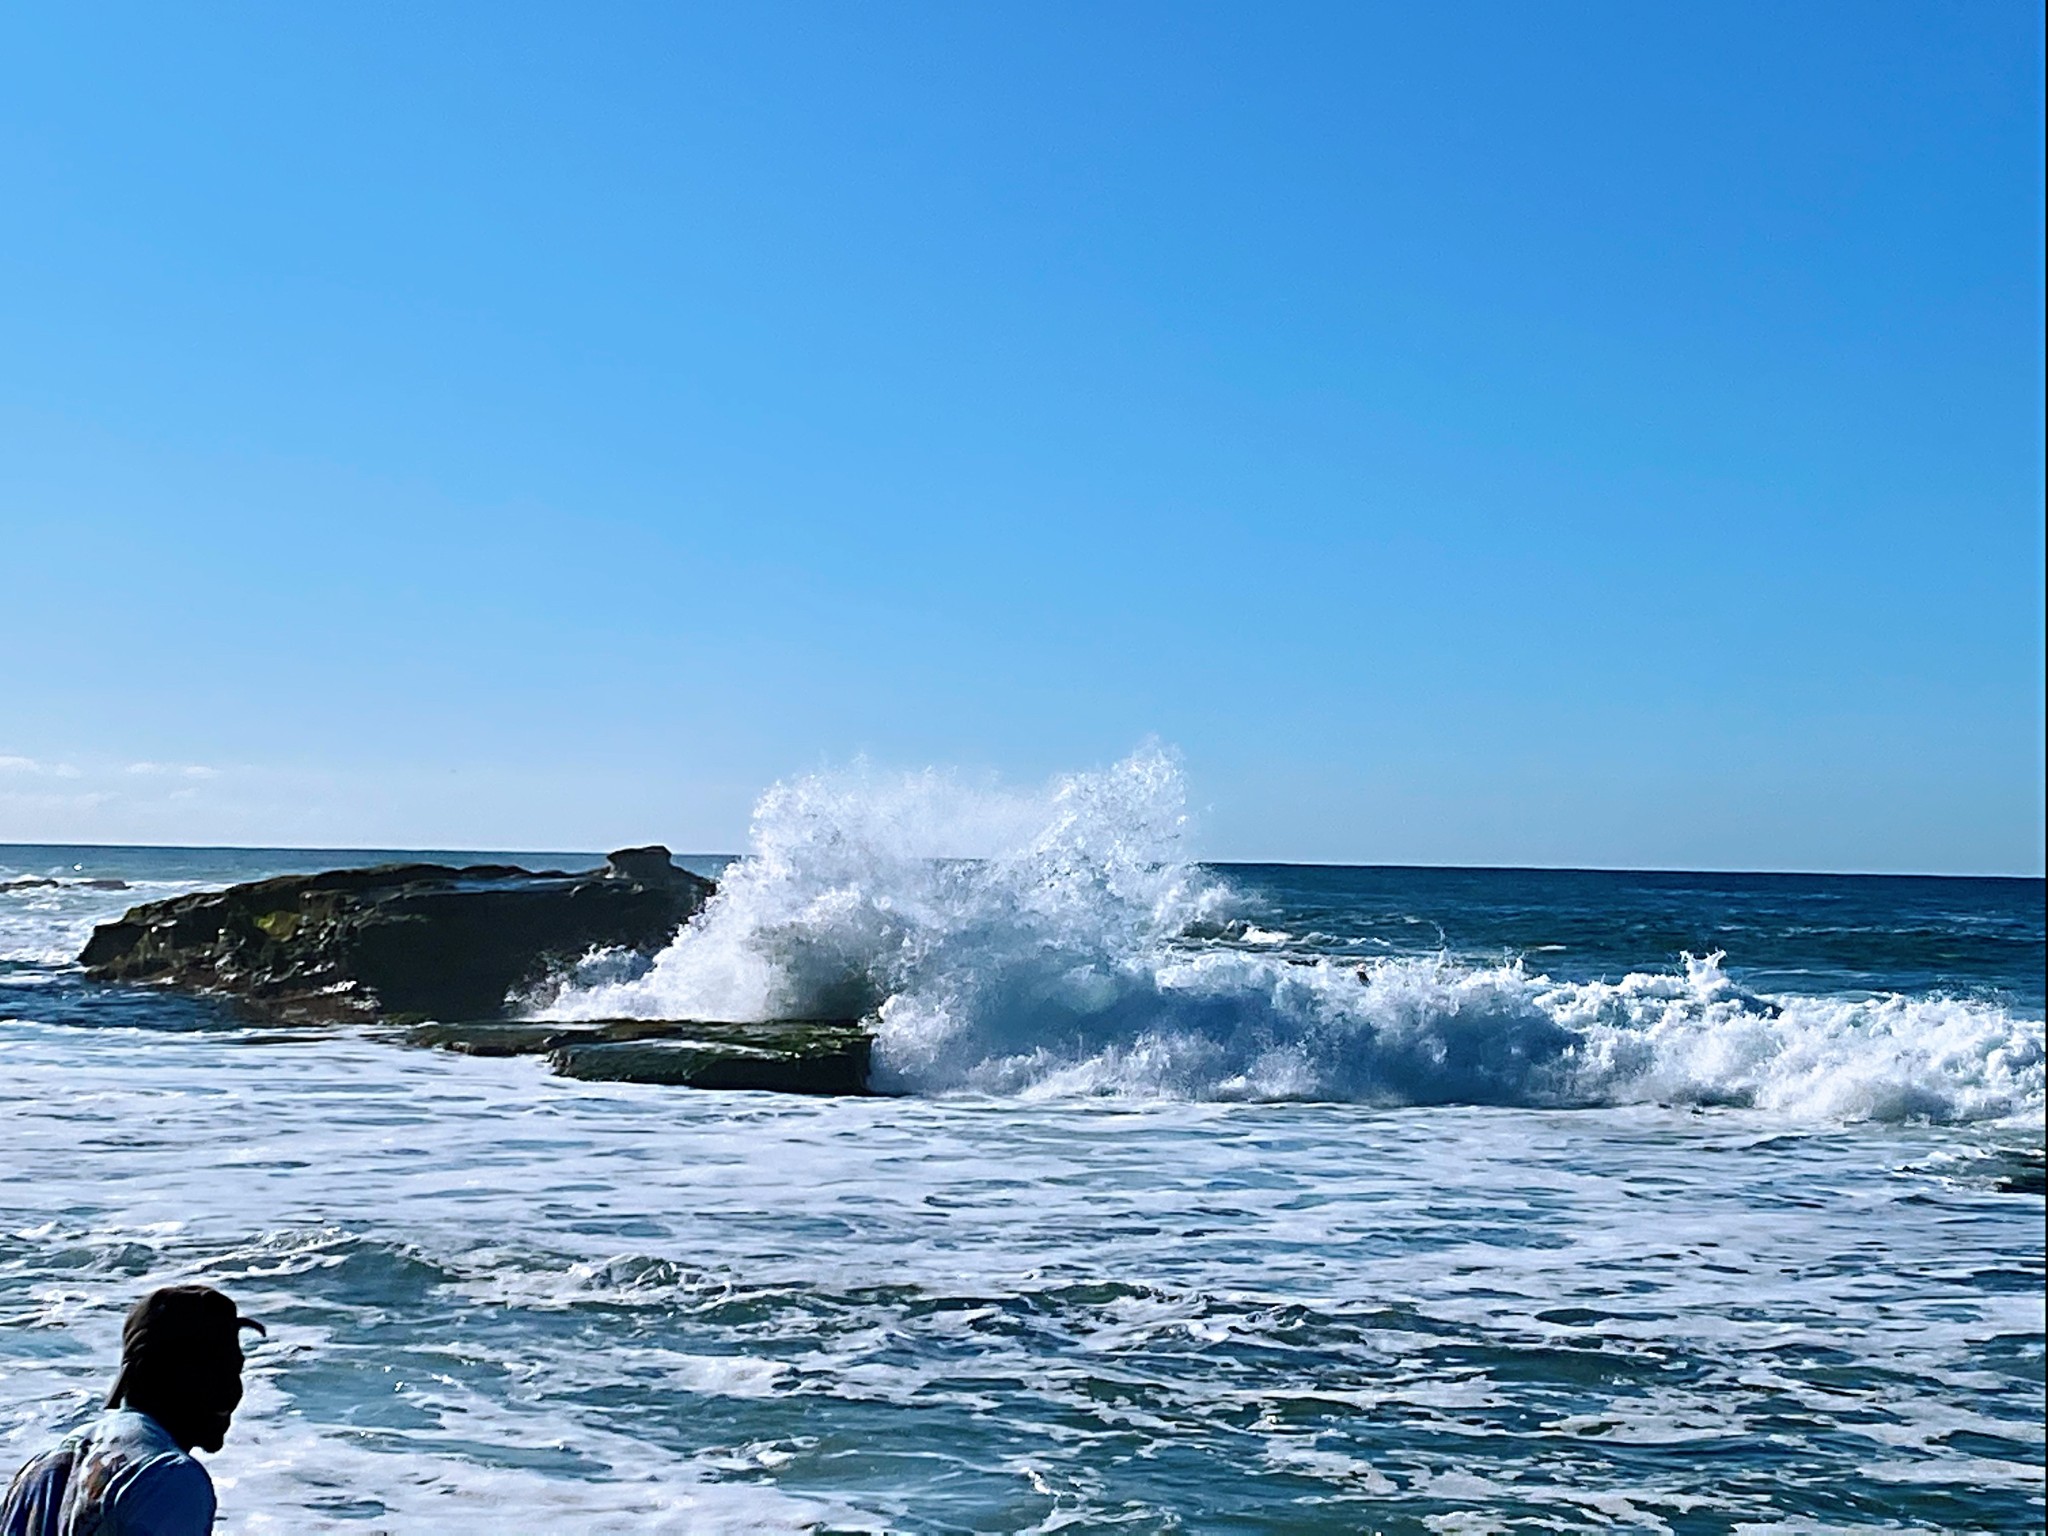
181, 1363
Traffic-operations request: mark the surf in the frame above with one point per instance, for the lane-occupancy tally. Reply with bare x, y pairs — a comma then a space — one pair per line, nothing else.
1063, 942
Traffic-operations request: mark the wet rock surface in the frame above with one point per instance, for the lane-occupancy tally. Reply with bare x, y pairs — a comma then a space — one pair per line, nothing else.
815, 1056
396, 942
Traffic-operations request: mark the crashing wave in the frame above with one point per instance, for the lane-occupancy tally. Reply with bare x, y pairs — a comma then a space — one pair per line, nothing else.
1063, 944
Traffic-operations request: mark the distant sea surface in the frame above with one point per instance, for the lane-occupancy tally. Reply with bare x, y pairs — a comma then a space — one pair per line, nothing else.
1206, 1199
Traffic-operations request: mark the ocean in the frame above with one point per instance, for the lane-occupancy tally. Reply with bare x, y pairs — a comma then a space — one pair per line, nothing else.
1203, 1198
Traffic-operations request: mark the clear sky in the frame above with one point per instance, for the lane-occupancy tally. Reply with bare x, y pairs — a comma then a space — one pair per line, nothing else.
1558, 434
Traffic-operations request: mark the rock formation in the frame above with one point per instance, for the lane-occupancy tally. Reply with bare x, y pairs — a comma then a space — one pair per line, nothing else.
399, 941
444, 952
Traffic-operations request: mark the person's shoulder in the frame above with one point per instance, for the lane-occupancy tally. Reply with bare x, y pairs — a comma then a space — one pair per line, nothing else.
157, 1488
45, 1464
169, 1495
37, 1490
48, 1470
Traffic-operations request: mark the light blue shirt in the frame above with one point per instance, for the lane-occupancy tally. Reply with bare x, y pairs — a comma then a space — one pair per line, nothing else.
122, 1475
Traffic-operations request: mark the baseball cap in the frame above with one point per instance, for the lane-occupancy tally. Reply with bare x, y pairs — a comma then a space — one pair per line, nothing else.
178, 1331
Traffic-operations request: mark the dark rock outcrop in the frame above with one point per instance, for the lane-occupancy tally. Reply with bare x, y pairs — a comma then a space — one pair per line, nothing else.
403, 941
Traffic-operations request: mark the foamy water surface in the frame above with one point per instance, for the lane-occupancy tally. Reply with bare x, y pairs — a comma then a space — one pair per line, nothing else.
1210, 1200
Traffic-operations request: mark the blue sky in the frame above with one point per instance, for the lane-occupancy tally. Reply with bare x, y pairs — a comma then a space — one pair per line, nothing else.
1567, 434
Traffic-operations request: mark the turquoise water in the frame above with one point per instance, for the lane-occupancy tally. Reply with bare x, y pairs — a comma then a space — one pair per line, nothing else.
1253, 1199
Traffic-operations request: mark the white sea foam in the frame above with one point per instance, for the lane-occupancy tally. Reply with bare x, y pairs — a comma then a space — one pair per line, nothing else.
1063, 959
500, 1301
45, 920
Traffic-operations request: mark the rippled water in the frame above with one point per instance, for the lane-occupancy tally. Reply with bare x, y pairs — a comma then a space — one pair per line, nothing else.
502, 1302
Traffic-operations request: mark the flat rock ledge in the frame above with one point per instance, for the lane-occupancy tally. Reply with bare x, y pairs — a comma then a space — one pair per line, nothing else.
809, 1056
418, 945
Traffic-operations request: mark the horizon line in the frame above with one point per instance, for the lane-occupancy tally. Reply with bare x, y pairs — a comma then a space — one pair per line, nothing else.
1550, 869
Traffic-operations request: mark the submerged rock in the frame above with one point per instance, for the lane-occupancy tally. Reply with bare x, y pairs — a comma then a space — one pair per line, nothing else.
397, 942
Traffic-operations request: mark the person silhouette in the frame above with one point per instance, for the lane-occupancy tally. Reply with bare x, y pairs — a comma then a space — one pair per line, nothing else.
131, 1472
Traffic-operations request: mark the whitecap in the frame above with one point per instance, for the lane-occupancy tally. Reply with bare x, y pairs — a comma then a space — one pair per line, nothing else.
1062, 943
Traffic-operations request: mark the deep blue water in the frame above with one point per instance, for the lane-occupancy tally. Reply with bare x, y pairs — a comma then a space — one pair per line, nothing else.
1917, 935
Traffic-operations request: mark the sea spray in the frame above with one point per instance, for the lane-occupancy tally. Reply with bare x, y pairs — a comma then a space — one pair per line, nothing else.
1061, 943
859, 892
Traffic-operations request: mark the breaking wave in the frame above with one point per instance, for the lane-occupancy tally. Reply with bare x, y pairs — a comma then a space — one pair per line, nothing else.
1062, 943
